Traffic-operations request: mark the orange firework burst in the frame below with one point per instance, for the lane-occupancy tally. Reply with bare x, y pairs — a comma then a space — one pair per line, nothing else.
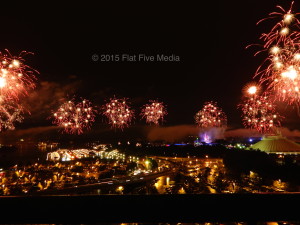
154, 112
283, 32
118, 113
211, 116
259, 112
286, 83
281, 69
75, 118
16, 78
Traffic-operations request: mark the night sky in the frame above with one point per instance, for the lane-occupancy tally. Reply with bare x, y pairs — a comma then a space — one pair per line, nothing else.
210, 40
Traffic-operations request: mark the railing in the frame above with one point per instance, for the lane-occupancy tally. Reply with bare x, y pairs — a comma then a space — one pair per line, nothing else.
151, 208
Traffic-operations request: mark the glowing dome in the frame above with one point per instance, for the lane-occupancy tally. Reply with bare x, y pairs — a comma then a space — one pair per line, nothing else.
277, 144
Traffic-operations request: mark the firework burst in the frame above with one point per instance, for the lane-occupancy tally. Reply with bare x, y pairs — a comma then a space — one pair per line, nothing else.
283, 32
75, 118
118, 113
281, 69
154, 112
259, 112
211, 116
286, 83
10, 113
16, 78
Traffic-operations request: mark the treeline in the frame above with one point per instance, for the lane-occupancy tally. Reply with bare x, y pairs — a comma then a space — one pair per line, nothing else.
241, 162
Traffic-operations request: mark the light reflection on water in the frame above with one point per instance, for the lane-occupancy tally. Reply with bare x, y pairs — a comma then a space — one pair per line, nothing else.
161, 184
164, 183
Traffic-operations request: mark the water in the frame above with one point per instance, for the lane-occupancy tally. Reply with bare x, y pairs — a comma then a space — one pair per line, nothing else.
21, 154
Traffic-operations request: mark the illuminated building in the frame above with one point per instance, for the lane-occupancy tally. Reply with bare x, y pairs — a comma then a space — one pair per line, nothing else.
277, 144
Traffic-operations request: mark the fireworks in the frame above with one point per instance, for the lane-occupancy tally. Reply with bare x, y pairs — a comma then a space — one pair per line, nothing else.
282, 33
16, 78
251, 89
118, 113
281, 69
154, 112
10, 113
258, 112
206, 138
211, 116
75, 118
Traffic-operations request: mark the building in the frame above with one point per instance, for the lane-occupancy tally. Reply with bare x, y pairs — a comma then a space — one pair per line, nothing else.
277, 144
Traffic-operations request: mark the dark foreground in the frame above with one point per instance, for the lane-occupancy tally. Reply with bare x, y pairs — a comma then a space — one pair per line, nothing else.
151, 208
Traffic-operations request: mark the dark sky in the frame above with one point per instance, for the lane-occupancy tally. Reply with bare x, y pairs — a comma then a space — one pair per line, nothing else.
210, 39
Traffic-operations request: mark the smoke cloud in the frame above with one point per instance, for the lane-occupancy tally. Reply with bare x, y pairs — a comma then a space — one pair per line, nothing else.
48, 97
172, 134
11, 136
181, 132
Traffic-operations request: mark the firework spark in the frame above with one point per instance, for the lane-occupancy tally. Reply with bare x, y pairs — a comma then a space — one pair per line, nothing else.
118, 113
16, 78
211, 116
75, 118
259, 112
251, 88
154, 112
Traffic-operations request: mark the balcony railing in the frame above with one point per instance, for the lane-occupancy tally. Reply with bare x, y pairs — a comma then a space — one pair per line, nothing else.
151, 208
